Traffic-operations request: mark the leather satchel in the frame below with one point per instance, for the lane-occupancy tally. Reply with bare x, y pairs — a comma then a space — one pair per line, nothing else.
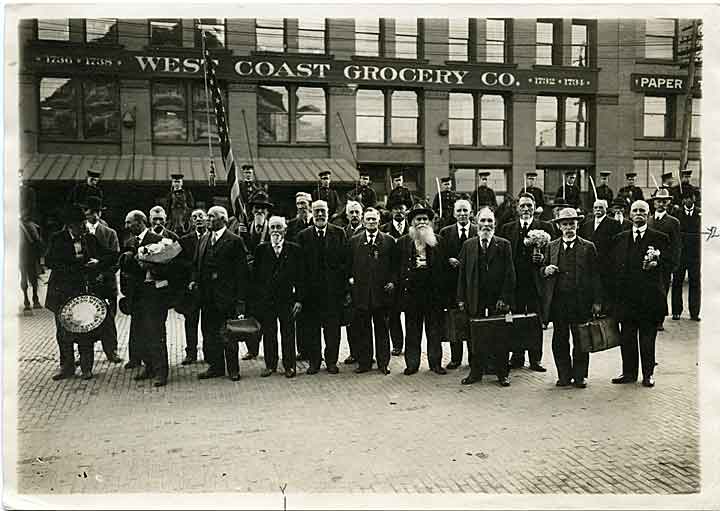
523, 333
242, 330
600, 334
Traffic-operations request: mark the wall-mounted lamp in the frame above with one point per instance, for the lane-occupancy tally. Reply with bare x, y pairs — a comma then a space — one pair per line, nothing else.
128, 119
443, 129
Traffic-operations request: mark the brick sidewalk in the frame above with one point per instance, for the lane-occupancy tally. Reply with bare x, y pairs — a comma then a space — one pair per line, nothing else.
355, 433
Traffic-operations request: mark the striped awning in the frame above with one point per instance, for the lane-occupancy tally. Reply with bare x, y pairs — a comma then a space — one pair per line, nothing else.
157, 169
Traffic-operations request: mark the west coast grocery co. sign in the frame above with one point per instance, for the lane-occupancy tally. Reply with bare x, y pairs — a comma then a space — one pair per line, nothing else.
290, 68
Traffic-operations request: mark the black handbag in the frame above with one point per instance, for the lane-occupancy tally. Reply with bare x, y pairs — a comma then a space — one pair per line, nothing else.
242, 330
524, 332
600, 334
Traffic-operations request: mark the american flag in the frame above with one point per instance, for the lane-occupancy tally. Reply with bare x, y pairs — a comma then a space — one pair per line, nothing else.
225, 145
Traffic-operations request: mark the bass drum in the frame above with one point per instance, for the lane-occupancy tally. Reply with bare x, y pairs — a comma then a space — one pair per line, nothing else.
84, 315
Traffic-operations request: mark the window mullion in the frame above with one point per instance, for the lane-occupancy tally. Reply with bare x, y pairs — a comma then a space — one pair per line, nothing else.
292, 109
80, 133
561, 121
387, 97
477, 119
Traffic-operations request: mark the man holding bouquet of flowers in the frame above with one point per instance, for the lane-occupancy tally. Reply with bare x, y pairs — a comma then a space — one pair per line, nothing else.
640, 259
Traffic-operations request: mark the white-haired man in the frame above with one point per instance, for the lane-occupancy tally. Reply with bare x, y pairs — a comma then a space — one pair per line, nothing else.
325, 287
223, 281
354, 213
303, 218
158, 220
277, 287
601, 229
420, 275
486, 286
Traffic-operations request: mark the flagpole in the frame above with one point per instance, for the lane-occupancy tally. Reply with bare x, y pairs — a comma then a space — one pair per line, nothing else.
437, 183
247, 138
211, 175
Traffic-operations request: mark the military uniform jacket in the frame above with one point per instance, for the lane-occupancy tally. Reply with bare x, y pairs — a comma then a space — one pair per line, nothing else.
631, 194
483, 196
371, 268
538, 194
366, 196
605, 192
572, 195
82, 191
180, 199
670, 226
448, 203
400, 194
248, 189
330, 196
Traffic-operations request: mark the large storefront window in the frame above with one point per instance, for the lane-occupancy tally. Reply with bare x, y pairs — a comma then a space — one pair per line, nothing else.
367, 37
657, 118
495, 40
53, 30
406, 39
370, 116
74, 109
576, 134
311, 35
166, 32
461, 119
214, 30
546, 120
273, 111
492, 120
175, 118
458, 39
404, 121
311, 114
101, 31
291, 114
660, 38
270, 34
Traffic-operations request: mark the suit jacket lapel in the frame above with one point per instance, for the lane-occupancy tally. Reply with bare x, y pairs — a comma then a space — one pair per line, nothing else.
492, 249
202, 247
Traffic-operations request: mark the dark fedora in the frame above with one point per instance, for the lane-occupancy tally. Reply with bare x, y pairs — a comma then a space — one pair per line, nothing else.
261, 199
420, 209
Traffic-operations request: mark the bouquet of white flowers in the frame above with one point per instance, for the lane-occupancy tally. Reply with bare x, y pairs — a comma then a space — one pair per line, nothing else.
651, 256
161, 252
536, 239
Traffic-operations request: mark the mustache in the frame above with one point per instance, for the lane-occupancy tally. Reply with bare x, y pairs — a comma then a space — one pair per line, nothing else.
425, 235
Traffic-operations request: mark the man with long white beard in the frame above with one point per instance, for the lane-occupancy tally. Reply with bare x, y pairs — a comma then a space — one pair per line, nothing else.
420, 275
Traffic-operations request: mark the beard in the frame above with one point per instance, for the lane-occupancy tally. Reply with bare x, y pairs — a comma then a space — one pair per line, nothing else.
423, 236
486, 234
259, 219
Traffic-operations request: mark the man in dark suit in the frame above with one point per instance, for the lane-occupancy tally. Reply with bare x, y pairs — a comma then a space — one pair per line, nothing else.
354, 215
158, 221
421, 272
74, 257
618, 211
277, 285
324, 287
486, 285
396, 227
372, 280
664, 222
149, 294
640, 293
679, 191
484, 195
569, 191
691, 233
303, 219
453, 237
108, 239
601, 230
190, 308
528, 286
222, 278
572, 294
325, 193
604, 192
630, 193
448, 197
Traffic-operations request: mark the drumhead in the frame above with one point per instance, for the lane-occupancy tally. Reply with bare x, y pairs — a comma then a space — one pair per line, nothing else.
82, 314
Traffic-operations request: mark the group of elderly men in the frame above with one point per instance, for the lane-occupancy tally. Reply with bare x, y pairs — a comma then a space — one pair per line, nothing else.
311, 277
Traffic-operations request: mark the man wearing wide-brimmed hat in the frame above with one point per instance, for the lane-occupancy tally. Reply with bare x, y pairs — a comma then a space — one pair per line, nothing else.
664, 222
572, 294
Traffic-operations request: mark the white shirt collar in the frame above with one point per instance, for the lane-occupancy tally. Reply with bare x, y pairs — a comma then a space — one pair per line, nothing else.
319, 230
598, 220
570, 242
640, 229
461, 227
526, 222
91, 227
689, 211
218, 234
141, 236
279, 245
659, 215
374, 234
399, 226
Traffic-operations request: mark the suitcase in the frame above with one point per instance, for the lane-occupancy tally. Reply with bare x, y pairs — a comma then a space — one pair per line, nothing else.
597, 335
457, 326
524, 333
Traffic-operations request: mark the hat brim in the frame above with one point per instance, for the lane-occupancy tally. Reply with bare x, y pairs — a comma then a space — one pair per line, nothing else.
262, 204
576, 217
420, 211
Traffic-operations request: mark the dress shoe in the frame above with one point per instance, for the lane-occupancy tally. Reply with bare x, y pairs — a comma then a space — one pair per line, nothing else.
623, 379
267, 372
452, 365
132, 364
36, 305
302, 357
114, 358
396, 352
87, 376
160, 382
62, 375
289, 373
660, 327
333, 369
350, 360
408, 371
360, 370
695, 318
581, 383
384, 370
469, 380
438, 370
648, 382
562, 383
504, 381
206, 375
235, 377
27, 311
249, 356
676, 317
538, 368
143, 376
312, 370
189, 360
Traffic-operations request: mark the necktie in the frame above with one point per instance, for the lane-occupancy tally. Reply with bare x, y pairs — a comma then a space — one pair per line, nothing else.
213, 239
567, 246
484, 245
638, 237
463, 235
372, 239
277, 251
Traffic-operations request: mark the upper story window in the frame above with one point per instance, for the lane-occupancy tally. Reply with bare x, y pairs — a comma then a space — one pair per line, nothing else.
370, 115
406, 39
166, 32
545, 43
270, 34
404, 121
311, 35
660, 38
101, 31
74, 109
461, 118
367, 37
458, 39
561, 121
53, 30
695, 128
657, 116
273, 114
492, 120
214, 30
291, 114
180, 112
546, 119
310, 114
465, 129
580, 49
389, 117
576, 122
495, 40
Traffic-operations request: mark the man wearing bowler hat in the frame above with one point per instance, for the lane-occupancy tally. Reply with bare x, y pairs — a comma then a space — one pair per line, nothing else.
484, 195
89, 188
447, 196
604, 192
667, 224
399, 193
630, 193
325, 192
180, 202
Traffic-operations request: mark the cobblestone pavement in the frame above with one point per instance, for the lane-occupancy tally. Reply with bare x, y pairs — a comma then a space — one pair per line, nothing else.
363, 433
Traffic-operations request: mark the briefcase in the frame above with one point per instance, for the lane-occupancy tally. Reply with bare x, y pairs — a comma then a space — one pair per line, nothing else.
457, 326
242, 330
523, 333
597, 335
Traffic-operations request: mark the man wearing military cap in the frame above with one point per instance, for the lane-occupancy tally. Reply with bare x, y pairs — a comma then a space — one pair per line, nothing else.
677, 192
399, 193
364, 193
448, 197
484, 195
666, 178
325, 193
89, 188
569, 191
536, 192
249, 185
180, 202
630, 193
604, 192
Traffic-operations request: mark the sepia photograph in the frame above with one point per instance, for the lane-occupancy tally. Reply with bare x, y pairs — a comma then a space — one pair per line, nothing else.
359, 256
